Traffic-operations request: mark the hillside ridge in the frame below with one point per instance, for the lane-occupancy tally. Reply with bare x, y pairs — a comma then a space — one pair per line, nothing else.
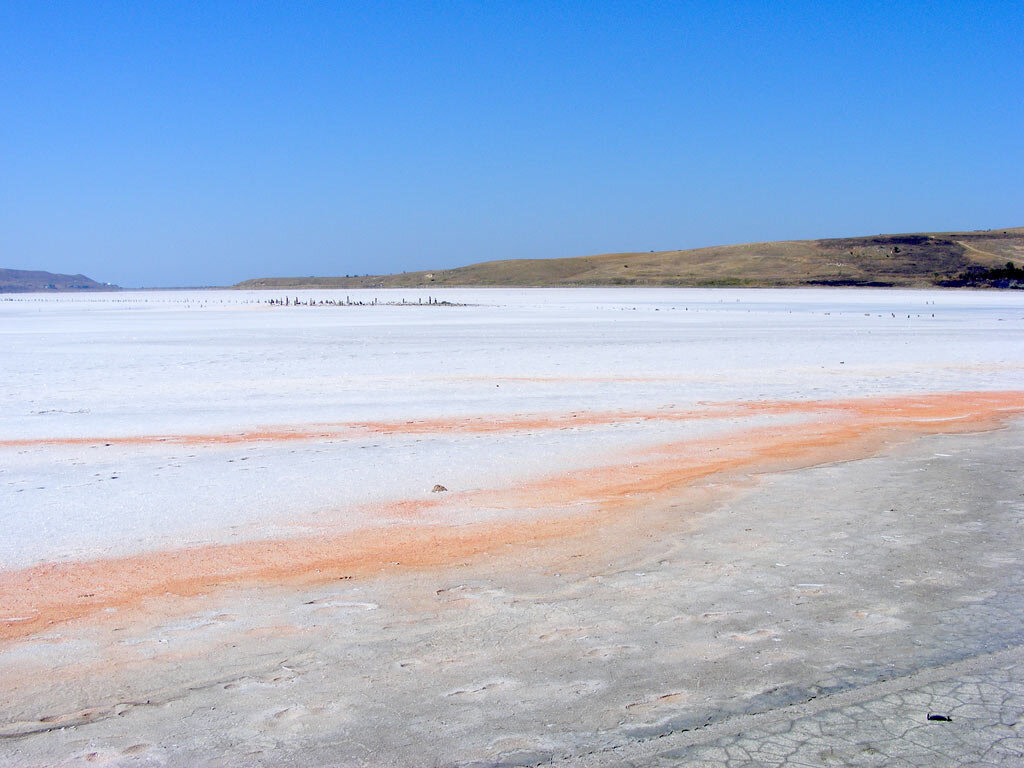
911, 259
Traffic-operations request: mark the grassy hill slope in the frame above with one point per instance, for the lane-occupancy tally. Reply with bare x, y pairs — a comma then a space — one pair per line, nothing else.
882, 260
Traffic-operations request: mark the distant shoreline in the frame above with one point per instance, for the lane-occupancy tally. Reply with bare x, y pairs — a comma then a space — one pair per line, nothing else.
436, 291
976, 259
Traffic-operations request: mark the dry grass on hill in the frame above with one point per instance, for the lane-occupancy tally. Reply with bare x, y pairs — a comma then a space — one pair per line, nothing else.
878, 260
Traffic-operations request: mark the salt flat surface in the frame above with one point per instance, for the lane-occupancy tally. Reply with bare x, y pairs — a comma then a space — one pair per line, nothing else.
195, 363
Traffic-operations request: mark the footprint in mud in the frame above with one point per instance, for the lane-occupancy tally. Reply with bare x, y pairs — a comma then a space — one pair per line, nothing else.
880, 623
481, 689
289, 714
715, 615
192, 624
467, 592
976, 598
347, 606
82, 717
565, 633
659, 702
679, 618
276, 676
808, 590
609, 651
333, 610
275, 630
291, 718
755, 636
188, 630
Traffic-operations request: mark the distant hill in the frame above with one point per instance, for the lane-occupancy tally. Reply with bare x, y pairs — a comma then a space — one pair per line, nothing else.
921, 259
25, 281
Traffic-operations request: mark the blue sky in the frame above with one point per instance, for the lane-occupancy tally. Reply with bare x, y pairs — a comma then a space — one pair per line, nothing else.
179, 143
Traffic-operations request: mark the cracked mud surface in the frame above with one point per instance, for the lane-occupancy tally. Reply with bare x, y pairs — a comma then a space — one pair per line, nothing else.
813, 617
972, 716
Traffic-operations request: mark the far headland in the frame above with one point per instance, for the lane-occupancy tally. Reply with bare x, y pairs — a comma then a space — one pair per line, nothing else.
35, 281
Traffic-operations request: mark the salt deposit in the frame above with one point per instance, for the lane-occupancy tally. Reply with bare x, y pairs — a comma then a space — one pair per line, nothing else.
186, 367
665, 511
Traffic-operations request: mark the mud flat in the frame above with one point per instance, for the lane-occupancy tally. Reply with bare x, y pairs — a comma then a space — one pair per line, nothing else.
660, 573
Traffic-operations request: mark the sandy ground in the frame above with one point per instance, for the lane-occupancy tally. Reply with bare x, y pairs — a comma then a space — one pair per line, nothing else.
807, 571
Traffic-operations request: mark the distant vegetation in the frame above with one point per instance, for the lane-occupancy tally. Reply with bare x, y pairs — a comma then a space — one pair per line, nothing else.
923, 259
25, 281
1008, 276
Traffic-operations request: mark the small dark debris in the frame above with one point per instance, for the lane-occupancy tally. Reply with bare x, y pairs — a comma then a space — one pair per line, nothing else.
940, 718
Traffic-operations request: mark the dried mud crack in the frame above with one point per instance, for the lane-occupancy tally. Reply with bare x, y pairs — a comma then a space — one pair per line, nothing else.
737, 740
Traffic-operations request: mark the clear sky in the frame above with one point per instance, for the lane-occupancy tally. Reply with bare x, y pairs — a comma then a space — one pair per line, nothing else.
177, 143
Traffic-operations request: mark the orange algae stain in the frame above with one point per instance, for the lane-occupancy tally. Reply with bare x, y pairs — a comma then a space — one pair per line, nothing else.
86, 588
471, 425
911, 407
568, 504
499, 424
